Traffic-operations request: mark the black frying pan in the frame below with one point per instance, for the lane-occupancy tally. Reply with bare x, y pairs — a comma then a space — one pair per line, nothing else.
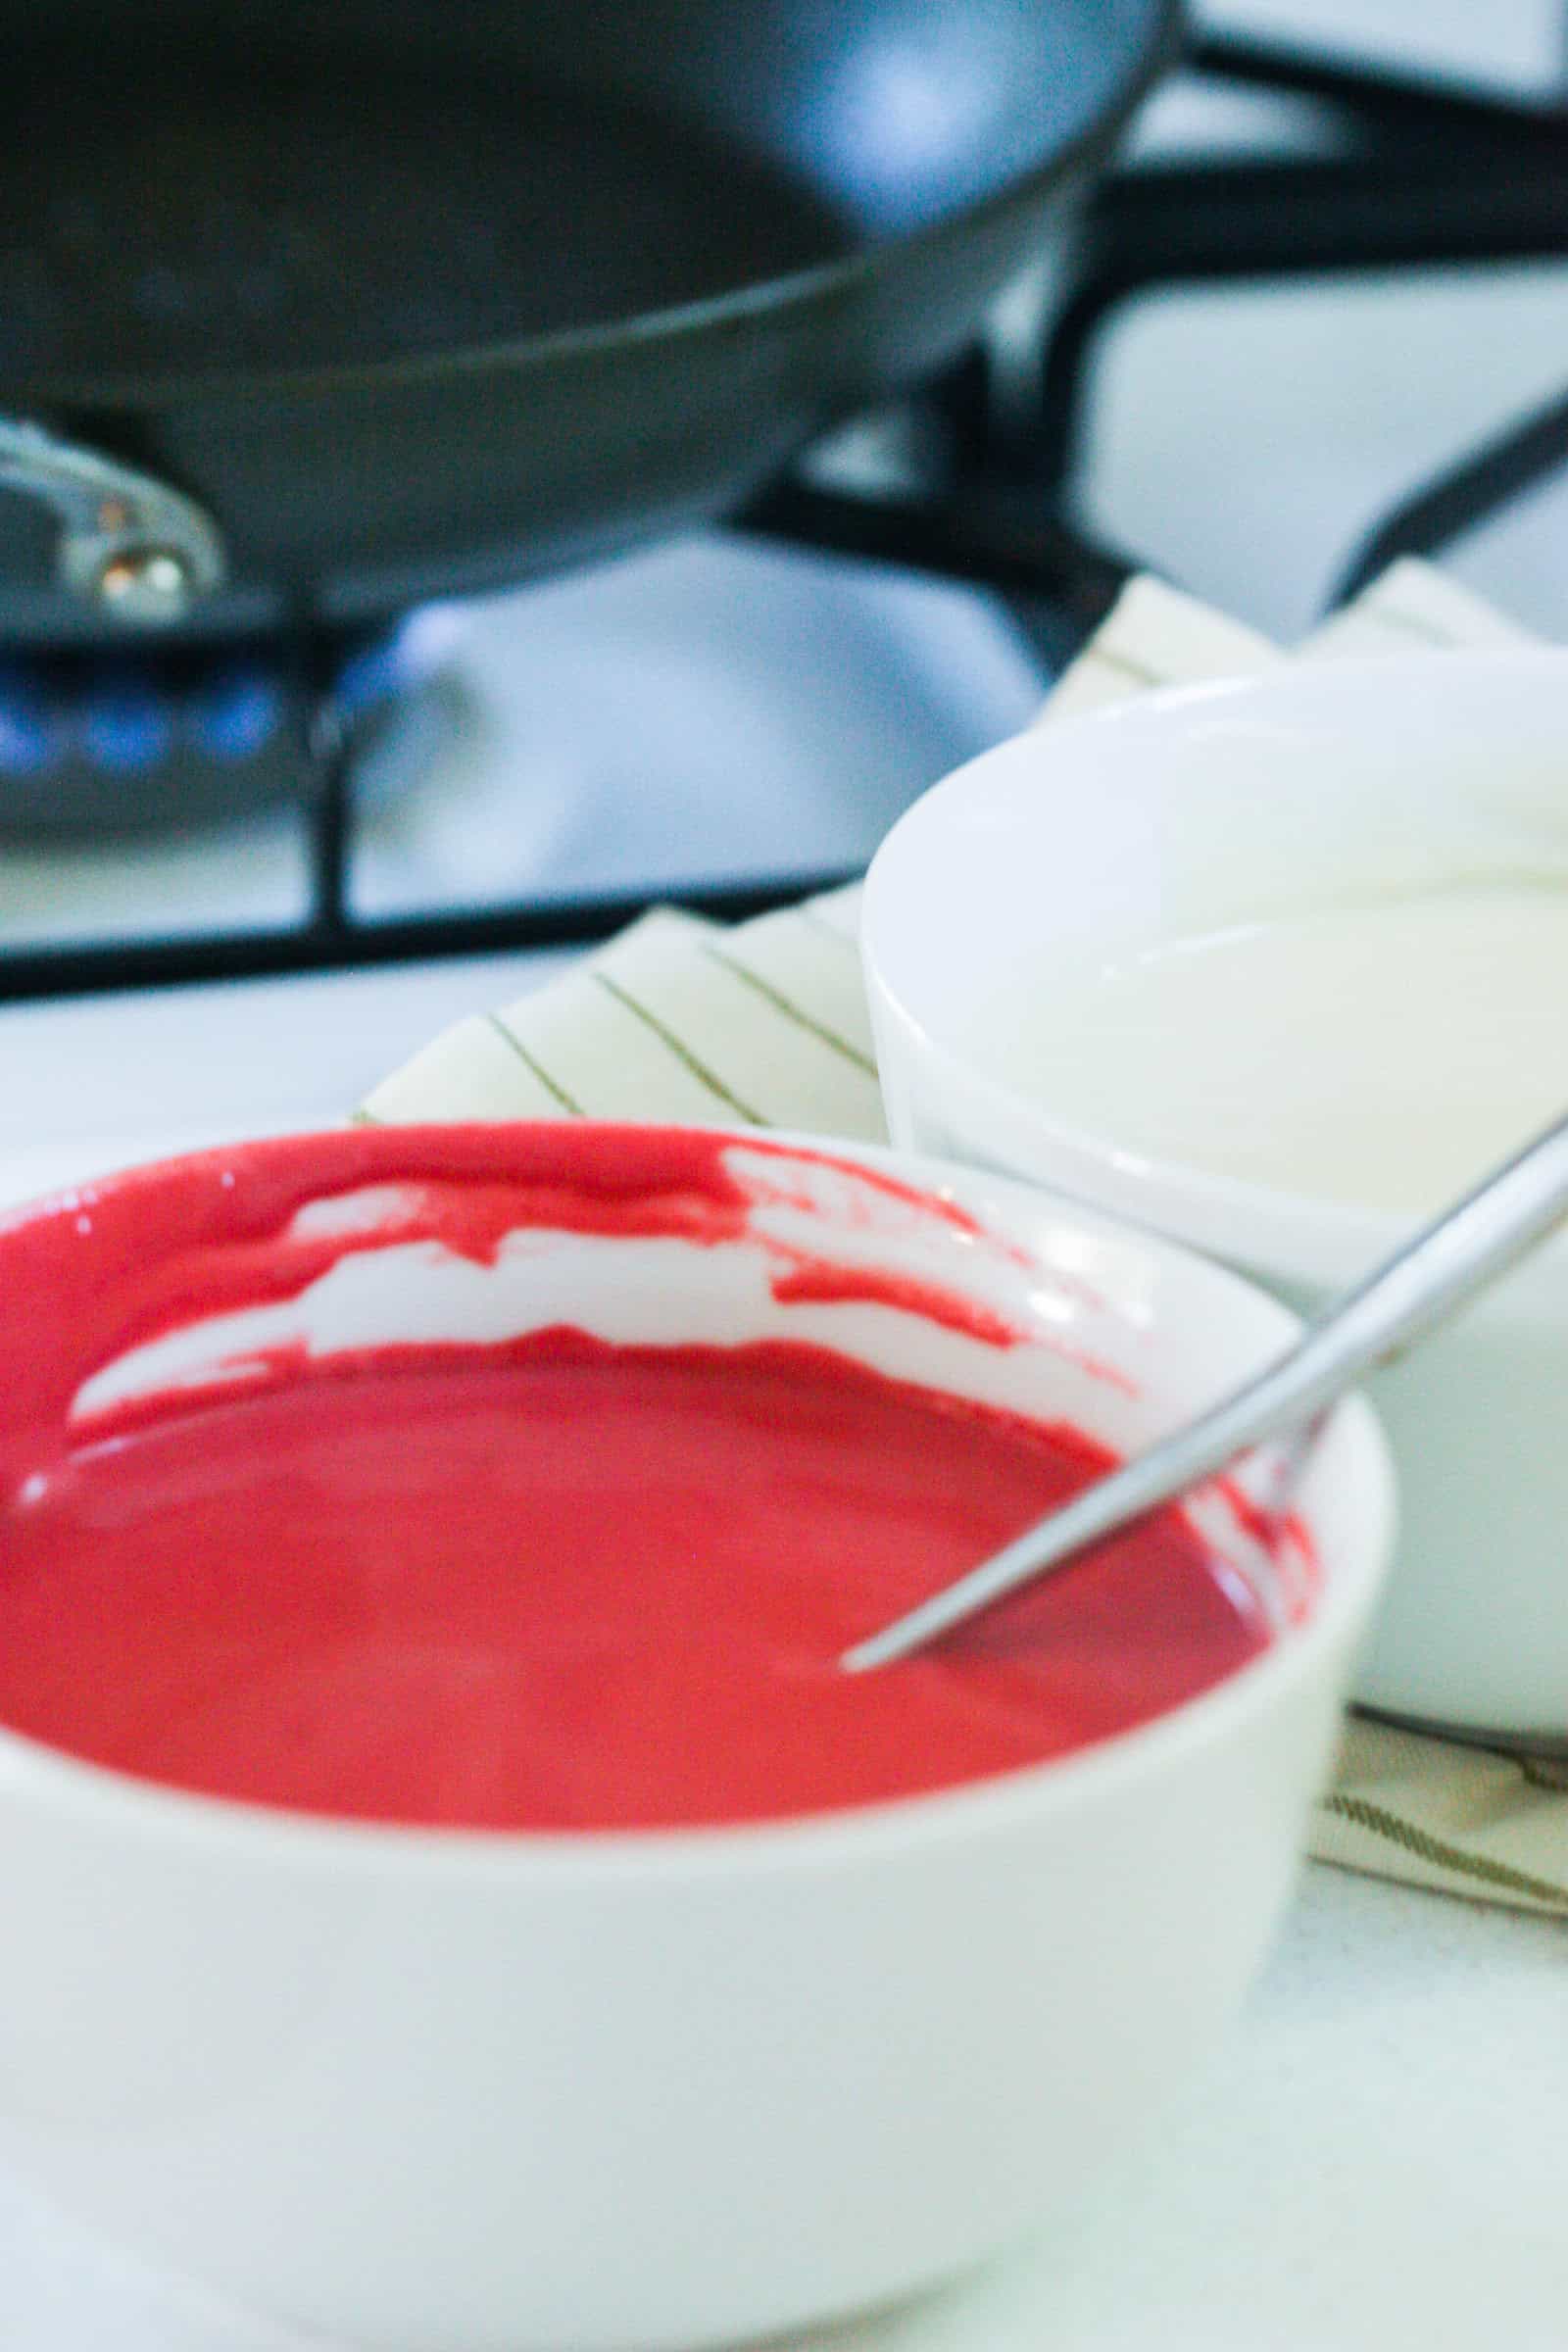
410, 297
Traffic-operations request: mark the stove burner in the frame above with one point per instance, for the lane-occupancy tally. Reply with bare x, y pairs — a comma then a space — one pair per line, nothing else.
94, 746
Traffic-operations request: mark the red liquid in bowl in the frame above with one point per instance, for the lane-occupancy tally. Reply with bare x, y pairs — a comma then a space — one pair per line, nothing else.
558, 1585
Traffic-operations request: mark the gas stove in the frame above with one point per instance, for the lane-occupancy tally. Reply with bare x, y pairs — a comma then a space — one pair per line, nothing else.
1318, 319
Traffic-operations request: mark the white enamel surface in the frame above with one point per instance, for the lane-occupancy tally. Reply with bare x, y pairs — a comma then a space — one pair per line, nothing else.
1234, 804
476, 2094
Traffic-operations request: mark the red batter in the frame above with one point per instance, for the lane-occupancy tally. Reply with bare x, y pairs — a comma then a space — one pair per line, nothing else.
562, 1586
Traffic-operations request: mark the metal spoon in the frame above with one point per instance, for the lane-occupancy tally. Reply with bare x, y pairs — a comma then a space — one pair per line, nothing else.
1410, 1294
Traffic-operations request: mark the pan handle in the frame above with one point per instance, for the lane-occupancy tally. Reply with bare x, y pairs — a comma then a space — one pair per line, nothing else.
139, 552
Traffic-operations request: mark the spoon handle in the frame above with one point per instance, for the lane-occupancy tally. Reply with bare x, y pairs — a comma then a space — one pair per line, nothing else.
1470, 1245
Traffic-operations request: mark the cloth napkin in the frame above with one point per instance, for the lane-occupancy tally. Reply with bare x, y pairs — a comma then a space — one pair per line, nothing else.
766, 1024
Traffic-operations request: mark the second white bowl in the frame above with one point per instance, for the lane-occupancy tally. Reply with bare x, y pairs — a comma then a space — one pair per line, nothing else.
1189, 811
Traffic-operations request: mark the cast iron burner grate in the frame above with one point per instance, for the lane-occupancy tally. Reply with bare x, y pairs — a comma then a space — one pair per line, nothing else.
1433, 174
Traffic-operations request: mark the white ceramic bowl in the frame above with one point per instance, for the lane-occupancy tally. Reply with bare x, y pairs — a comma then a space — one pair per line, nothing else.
442, 2091
1189, 810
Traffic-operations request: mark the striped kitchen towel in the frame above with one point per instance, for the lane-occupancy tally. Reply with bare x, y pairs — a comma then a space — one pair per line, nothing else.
766, 1024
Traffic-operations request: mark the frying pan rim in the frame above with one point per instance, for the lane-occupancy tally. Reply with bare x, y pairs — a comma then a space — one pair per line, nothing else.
765, 296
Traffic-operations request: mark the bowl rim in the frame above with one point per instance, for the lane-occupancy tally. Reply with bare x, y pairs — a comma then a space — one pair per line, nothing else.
34, 1772
1177, 1198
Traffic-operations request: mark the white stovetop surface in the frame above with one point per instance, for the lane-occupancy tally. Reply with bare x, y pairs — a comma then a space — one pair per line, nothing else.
1374, 2160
